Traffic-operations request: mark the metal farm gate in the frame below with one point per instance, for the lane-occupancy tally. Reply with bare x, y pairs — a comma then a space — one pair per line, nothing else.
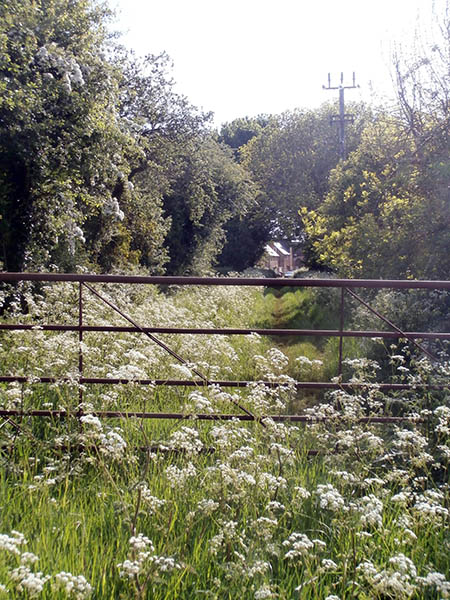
347, 289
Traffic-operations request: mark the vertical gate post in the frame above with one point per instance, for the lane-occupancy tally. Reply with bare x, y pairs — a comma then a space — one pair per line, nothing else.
80, 336
341, 330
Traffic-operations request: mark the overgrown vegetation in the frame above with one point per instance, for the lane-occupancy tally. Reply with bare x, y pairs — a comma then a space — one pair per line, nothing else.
103, 167
215, 509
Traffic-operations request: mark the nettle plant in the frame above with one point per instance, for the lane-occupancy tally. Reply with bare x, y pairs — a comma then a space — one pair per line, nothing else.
179, 509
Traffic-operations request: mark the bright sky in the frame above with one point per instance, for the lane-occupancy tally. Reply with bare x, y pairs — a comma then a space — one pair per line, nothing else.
246, 57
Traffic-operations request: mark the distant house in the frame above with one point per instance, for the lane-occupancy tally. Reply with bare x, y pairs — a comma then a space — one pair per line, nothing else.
281, 257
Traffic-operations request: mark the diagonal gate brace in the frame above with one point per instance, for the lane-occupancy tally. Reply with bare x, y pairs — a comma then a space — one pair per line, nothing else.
402, 333
163, 346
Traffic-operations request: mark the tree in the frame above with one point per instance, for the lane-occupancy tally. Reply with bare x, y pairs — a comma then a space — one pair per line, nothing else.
291, 160
387, 213
91, 141
246, 235
375, 221
239, 132
61, 146
209, 190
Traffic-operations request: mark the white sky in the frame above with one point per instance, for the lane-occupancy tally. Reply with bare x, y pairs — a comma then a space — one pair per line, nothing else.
246, 57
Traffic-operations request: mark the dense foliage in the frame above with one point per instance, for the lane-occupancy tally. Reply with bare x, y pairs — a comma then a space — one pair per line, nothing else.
99, 159
387, 212
104, 167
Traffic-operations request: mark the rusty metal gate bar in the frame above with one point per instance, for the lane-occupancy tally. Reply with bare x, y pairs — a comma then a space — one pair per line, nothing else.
230, 281
125, 414
300, 385
341, 330
80, 337
233, 331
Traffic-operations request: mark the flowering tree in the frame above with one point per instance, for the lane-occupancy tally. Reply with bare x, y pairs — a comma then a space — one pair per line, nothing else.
93, 144
61, 144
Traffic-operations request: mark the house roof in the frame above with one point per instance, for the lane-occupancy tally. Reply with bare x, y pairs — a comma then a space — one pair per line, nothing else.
280, 248
270, 251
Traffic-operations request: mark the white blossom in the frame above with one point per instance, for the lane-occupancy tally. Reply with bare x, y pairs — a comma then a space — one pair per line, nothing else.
75, 586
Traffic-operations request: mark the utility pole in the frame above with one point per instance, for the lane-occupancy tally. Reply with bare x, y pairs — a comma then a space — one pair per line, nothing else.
342, 118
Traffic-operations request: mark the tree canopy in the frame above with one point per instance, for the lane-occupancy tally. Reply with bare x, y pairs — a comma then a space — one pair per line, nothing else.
104, 166
95, 145
387, 212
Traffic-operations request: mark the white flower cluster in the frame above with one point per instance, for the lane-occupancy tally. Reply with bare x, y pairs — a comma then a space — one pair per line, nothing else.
299, 545
371, 441
396, 581
27, 581
92, 421
370, 509
228, 533
404, 521
401, 497
112, 444
443, 415
264, 528
265, 592
330, 498
128, 371
142, 547
272, 482
182, 370
438, 581
28, 558
207, 506
164, 564
144, 560
229, 435
307, 367
178, 478
262, 398
11, 543
186, 439
152, 503
129, 568
198, 403
32, 583
75, 586
235, 480
361, 364
73, 233
302, 492
65, 67
428, 507
272, 364
112, 209
277, 360
13, 395
409, 441
244, 453
328, 564
400, 580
